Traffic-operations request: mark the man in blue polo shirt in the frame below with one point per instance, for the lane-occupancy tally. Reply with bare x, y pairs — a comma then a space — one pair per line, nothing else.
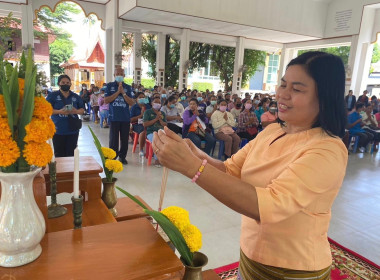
119, 96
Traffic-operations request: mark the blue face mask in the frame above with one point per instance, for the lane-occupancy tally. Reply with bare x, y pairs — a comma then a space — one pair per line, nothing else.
199, 98
183, 97
172, 106
213, 102
141, 101
146, 100
119, 79
163, 95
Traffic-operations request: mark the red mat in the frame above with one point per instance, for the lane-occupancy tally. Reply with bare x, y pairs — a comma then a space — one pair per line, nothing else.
346, 265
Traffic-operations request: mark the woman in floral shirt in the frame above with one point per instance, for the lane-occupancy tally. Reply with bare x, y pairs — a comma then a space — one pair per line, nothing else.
248, 122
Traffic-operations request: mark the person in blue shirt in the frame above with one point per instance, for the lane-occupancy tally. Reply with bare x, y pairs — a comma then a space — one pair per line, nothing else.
66, 104
355, 124
119, 97
137, 113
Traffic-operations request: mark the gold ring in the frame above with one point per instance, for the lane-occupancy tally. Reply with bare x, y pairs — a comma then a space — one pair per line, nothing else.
156, 151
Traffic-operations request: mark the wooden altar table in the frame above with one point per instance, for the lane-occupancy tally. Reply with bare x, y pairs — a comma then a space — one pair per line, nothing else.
125, 250
89, 178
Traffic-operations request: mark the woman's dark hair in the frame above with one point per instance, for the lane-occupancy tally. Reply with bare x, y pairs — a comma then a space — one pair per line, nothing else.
139, 94
170, 99
195, 100
359, 105
62, 77
327, 71
373, 98
272, 103
221, 100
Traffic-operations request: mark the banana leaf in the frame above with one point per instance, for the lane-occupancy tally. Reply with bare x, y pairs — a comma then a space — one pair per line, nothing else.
174, 235
7, 97
14, 95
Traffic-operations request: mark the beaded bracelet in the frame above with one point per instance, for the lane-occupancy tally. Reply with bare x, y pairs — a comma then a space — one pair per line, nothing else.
200, 170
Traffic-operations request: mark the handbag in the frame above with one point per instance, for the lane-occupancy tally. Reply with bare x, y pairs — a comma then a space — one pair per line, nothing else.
227, 130
74, 123
252, 130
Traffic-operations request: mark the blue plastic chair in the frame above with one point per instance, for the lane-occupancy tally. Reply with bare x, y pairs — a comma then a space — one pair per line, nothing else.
244, 141
356, 139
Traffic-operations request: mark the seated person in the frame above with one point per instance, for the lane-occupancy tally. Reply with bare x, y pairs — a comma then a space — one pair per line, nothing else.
173, 118
270, 116
232, 104
355, 124
201, 102
370, 122
154, 120
248, 122
137, 113
223, 123
183, 101
178, 105
103, 108
194, 127
212, 107
236, 109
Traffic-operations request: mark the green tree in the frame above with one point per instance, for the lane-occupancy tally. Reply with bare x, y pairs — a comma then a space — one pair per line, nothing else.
376, 53
60, 51
342, 52
148, 52
7, 31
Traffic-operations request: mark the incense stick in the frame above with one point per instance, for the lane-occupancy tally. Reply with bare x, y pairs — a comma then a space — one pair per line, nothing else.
164, 180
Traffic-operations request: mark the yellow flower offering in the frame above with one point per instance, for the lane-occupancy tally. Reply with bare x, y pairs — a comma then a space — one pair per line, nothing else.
42, 108
39, 130
38, 154
114, 165
9, 152
178, 216
5, 132
108, 153
3, 110
193, 237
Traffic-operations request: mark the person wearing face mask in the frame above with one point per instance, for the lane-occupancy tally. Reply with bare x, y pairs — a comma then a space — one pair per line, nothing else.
248, 122
195, 127
183, 101
137, 114
212, 107
66, 104
164, 95
173, 117
85, 95
262, 107
231, 105
227, 99
355, 124
223, 123
119, 98
178, 105
201, 104
270, 116
235, 111
103, 108
154, 120
94, 101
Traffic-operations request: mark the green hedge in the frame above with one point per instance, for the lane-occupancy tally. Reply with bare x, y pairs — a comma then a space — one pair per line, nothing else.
147, 83
202, 86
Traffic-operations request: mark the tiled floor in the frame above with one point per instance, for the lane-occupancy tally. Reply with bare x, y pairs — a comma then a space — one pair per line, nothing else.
355, 216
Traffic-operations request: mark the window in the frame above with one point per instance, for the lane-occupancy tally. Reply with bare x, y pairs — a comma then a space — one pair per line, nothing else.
272, 68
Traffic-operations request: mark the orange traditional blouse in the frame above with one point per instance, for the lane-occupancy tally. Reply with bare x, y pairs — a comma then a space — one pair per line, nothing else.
297, 177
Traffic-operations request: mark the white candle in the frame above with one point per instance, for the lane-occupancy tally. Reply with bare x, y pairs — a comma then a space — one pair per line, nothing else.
52, 148
76, 173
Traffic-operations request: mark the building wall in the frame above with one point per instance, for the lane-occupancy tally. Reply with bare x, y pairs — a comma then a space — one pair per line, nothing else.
256, 81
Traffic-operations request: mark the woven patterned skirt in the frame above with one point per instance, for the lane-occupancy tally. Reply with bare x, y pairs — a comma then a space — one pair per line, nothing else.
249, 269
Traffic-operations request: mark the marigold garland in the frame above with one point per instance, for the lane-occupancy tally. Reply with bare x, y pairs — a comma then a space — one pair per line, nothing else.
38, 154
108, 153
42, 108
3, 110
114, 165
39, 130
9, 152
193, 237
178, 216
5, 132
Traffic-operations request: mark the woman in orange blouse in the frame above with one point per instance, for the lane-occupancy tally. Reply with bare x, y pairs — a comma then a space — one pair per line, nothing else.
283, 182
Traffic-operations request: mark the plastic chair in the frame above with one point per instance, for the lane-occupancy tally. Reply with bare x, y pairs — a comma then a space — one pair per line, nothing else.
135, 141
356, 141
244, 141
149, 151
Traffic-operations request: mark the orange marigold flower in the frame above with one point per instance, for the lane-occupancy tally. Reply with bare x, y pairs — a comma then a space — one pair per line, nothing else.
21, 85
38, 154
9, 152
5, 132
42, 108
3, 110
39, 130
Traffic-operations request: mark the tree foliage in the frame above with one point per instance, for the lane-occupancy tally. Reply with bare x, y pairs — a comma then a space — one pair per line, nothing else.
149, 52
342, 52
376, 53
7, 31
60, 51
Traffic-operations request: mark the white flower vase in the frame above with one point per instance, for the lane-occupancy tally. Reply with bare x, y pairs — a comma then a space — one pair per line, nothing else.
22, 225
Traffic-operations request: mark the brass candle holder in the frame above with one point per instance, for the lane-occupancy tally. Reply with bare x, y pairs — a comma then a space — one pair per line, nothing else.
55, 210
77, 211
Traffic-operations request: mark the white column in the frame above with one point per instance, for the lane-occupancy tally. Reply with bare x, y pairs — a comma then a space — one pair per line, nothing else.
116, 43
286, 56
364, 64
160, 59
108, 56
137, 42
184, 59
27, 31
238, 65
